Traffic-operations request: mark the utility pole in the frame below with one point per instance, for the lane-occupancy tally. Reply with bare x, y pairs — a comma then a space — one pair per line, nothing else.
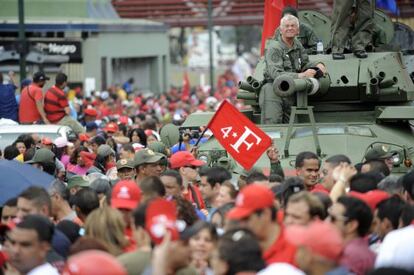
210, 44
22, 48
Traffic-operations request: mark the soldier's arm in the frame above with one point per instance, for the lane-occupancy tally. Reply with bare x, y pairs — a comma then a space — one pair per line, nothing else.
274, 63
307, 64
312, 39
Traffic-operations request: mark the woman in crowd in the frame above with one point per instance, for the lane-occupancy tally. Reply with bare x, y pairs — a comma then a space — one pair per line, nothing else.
80, 161
137, 135
227, 193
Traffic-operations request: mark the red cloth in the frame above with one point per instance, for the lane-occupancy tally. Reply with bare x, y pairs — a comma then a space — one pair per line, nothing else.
27, 110
185, 92
358, 257
241, 138
271, 19
54, 104
188, 195
281, 251
320, 188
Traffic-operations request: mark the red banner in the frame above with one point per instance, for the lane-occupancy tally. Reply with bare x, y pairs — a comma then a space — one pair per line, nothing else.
241, 138
271, 18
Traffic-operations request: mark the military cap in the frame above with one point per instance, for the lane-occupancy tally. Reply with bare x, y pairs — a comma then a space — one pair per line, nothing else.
378, 152
42, 155
146, 156
78, 181
125, 163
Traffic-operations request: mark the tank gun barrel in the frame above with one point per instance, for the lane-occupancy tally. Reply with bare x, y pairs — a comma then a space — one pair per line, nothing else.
245, 86
285, 86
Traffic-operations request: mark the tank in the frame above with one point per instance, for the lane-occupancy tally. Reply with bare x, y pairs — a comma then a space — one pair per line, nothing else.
359, 104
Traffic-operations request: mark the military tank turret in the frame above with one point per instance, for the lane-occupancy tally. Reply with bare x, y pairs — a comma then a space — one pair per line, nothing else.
358, 104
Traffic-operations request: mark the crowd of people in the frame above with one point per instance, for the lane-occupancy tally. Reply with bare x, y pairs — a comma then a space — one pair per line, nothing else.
123, 202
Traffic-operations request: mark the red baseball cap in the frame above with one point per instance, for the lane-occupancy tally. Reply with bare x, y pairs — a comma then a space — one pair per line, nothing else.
123, 120
184, 158
111, 127
126, 194
322, 238
84, 137
90, 112
372, 198
160, 217
93, 262
47, 141
250, 199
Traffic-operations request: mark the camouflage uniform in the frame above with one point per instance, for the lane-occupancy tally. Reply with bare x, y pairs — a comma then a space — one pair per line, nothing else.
307, 37
280, 60
341, 25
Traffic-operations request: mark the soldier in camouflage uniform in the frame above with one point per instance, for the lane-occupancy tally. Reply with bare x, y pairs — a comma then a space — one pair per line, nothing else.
307, 36
285, 56
341, 27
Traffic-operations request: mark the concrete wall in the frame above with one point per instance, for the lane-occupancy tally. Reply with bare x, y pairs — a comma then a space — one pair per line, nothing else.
127, 45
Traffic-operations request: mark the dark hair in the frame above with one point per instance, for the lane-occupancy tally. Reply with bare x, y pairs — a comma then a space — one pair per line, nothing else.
240, 249
325, 200
256, 176
233, 191
217, 175
289, 10
27, 139
408, 183
173, 174
11, 202
152, 185
41, 224
29, 154
139, 214
128, 147
364, 182
11, 152
99, 140
186, 211
48, 167
70, 229
302, 156
356, 209
60, 79
391, 209
197, 227
291, 186
38, 196
86, 200
335, 160
141, 134
75, 154
378, 166
123, 128
275, 178
407, 214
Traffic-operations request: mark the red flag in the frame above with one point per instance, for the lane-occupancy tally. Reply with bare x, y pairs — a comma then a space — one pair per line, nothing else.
241, 138
185, 92
271, 19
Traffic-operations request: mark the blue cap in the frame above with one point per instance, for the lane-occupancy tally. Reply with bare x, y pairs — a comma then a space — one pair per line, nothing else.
91, 125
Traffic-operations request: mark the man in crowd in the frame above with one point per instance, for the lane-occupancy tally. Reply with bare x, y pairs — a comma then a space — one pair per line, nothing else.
187, 165
61, 210
285, 56
9, 211
327, 169
8, 103
125, 169
353, 218
303, 208
31, 109
147, 163
307, 167
255, 210
56, 105
29, 244
173, 183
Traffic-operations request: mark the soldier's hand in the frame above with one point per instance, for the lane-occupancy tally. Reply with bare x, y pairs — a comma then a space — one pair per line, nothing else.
273, 154
308, 73
321, 67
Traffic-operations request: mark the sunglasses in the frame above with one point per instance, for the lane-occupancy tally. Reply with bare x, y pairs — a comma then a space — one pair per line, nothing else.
192, 167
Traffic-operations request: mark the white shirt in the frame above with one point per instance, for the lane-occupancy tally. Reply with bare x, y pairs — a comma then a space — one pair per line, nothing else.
397, 249
281, 268
44, 269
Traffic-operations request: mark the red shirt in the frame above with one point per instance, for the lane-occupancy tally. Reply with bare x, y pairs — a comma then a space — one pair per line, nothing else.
28, 112
281, 251
55, 104
188, 195
320, 188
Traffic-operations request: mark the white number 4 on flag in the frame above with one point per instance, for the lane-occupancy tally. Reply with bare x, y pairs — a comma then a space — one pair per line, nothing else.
226, 131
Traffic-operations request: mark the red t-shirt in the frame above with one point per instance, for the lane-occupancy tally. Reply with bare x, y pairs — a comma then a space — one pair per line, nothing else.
55, 104
28, 112
281, 251
320, 188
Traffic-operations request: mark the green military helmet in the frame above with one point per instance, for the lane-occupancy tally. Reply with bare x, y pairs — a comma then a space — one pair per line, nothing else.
159, 147
125, 163
146, 156
169, 134
226, 163
379, 152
